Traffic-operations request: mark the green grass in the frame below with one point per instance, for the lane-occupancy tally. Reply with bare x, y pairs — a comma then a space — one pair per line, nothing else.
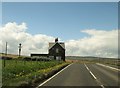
16, 71
0, 73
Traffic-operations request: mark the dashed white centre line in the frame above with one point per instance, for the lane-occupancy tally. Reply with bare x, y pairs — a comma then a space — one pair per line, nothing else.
90, 72
102, 86
93, 75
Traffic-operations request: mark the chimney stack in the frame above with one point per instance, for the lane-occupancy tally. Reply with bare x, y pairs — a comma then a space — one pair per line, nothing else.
56, 40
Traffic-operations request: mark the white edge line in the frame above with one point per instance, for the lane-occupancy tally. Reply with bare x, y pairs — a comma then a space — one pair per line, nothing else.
53, 76
108, 66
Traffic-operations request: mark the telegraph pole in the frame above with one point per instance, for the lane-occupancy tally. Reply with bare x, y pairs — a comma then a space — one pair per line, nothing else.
5, 53
6, 49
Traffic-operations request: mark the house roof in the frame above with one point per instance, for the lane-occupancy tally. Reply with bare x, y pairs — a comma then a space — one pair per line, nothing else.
51, 44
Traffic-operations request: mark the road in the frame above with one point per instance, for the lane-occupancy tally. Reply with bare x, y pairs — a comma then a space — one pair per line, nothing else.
84, 75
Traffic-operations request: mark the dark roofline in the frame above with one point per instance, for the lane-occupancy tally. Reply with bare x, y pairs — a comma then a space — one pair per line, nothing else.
55, 44
58, 43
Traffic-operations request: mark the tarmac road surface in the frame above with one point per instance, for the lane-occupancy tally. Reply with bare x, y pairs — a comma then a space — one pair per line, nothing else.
85, 75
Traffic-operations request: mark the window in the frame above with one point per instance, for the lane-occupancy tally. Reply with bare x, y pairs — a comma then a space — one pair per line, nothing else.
57, 50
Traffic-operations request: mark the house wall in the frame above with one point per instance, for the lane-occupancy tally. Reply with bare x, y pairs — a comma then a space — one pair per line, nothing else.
57, 51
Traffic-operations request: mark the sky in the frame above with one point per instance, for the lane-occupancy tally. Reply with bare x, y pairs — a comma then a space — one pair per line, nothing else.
62, 19
60, 0
87, 28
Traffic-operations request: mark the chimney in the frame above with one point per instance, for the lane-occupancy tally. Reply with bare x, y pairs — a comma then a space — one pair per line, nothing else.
56, 40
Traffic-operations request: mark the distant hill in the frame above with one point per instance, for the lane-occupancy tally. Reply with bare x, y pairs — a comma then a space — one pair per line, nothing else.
67, 57
86, 57
10, 55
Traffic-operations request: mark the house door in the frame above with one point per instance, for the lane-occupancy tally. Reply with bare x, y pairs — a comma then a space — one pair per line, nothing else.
58, 57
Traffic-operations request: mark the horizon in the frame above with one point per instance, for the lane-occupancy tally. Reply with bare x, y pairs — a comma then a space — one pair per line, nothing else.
69, 56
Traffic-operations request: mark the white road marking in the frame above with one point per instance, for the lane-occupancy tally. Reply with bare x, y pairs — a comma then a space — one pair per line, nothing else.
108, 66
102, 86
90, 72
53, 76
93, 75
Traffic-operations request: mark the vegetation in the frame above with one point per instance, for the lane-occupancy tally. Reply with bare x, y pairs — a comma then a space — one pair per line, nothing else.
17, 72
111, 62
0, 73
10, 55
108, 61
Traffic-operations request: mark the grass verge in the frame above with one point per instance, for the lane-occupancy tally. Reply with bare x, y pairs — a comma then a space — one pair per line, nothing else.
13, 76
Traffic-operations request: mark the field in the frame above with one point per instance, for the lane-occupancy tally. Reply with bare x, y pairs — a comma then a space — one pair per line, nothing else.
18, 72
109, 61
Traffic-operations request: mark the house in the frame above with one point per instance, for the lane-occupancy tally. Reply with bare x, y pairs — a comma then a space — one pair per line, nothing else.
57, 50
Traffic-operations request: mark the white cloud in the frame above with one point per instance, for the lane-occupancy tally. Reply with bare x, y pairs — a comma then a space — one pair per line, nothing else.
15, 33
98, 43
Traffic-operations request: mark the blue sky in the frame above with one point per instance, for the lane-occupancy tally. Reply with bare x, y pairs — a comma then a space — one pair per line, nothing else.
60, 0
63, 20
